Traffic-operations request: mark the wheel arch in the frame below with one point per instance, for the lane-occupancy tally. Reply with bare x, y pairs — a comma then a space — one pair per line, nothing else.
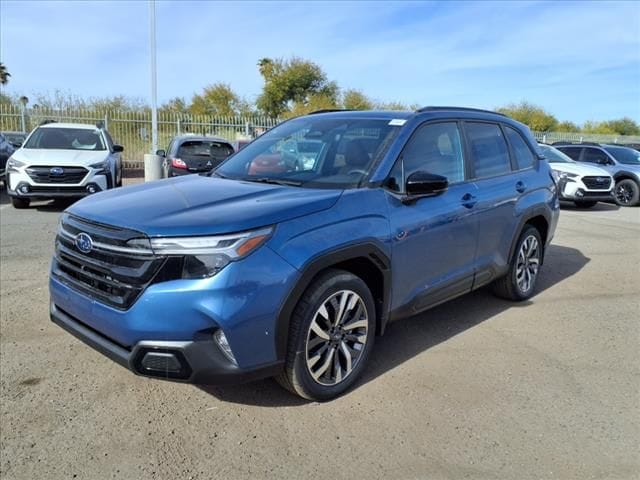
367, 261
538, 218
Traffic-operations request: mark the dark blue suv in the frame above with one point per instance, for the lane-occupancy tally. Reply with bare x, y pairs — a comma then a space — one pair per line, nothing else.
298, 250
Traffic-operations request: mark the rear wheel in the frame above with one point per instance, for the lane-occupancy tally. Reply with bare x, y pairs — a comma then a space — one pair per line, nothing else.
626, 192
20, 202
585, 203
331, 335
519, 284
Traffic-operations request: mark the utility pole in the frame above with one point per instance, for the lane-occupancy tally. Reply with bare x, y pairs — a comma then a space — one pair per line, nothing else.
154, 82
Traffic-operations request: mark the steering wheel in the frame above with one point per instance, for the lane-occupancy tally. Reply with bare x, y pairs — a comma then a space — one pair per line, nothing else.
352, 172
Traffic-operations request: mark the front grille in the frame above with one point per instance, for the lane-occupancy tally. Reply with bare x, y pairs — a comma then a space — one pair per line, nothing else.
56, 174
113, 273
597, 183
69, 190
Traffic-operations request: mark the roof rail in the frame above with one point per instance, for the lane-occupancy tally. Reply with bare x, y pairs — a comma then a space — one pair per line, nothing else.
45, 122
329, 110
463, 109
569, 142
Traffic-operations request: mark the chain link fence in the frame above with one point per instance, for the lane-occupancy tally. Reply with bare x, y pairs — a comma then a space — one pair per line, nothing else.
132, 130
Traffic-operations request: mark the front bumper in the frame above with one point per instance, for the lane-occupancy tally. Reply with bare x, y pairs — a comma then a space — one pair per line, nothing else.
576, 191
197, 361
180, 317
17, 181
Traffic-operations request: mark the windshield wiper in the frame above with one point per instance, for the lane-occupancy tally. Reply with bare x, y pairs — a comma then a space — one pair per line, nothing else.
274, 181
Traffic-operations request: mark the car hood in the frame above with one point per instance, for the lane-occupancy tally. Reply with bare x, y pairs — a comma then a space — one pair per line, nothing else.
579, 169
41, 156
200, 205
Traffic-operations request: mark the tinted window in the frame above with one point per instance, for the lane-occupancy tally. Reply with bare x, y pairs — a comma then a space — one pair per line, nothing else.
624, 155
594, 155
554, 155
489, 149
200, 148
435, 148
571, 152
524, 157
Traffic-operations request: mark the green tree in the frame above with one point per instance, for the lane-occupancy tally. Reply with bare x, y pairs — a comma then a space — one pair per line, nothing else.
623, 126
591, 126
219, 100
4, 74
292, 85
534, 116
175, 105
356, 100
567, 126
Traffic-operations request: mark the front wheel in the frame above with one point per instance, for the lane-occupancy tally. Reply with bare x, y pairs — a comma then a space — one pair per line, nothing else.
331, 335
519, 283
585, 203
627, 193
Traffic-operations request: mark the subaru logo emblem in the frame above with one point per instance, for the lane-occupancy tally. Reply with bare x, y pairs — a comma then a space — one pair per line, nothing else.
84, 243
57, 171
600, 180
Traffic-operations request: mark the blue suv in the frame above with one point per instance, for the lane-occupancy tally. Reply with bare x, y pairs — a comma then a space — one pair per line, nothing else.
295, 253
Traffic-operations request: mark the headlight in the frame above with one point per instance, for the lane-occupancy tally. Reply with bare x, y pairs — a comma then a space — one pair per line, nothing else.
557, 176
101, 166
13, 164
206, 256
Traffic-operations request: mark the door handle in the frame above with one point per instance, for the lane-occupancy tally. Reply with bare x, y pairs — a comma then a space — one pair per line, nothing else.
521, 187
468, 200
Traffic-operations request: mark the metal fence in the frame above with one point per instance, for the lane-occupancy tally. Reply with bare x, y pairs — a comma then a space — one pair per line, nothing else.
133, 129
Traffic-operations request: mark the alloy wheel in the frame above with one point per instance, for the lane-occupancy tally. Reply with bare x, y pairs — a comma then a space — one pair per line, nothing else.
527, 264
337, 337
624, 194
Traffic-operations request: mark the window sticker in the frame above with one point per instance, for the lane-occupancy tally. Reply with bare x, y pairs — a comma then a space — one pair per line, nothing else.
397, 122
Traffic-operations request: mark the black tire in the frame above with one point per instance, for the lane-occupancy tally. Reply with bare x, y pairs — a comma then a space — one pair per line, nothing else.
626, 192
508, 287
20, 202
585, 203
297, 376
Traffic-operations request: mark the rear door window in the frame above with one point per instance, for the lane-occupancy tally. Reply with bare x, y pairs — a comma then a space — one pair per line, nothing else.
488, 149
524, 155
572, 152
594, 155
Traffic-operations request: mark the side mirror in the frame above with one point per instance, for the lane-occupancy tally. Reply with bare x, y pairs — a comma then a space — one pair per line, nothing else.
118, 148
423, 184
161, 153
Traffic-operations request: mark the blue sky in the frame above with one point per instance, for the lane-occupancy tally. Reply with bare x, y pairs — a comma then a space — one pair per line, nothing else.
579, 60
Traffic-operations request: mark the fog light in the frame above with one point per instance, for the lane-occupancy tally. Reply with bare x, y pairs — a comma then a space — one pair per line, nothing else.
24, 189
92, 189
580, 193
222, 342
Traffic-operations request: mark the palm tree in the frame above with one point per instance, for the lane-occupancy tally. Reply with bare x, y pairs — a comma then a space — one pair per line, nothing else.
4, 74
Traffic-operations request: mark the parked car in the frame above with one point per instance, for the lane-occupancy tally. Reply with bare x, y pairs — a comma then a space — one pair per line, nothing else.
622, 163
63, 160
192, 154
585, 185
231, 276
6, 150
15, 138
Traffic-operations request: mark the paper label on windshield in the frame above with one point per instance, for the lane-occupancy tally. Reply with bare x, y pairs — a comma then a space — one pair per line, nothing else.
398, 122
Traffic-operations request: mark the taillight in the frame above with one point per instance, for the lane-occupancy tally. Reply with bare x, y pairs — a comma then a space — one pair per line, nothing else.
177, 163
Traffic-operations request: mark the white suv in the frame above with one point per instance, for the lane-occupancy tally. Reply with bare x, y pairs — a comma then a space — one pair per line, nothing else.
63, 160
584, 185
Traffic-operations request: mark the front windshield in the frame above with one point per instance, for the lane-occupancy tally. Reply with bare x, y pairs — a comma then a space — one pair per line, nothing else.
554, 155
313, 152
66, 139
625, 155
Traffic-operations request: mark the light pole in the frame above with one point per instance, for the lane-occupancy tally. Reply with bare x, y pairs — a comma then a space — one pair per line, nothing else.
23, 106
154, 86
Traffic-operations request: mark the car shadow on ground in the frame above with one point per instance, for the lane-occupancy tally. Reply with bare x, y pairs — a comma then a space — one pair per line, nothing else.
598, 207
410, 337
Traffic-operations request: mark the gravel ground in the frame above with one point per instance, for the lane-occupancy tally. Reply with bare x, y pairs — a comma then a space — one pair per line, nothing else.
477, 388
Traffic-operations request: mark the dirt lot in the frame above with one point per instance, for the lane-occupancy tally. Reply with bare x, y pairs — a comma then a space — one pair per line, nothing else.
477, 388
